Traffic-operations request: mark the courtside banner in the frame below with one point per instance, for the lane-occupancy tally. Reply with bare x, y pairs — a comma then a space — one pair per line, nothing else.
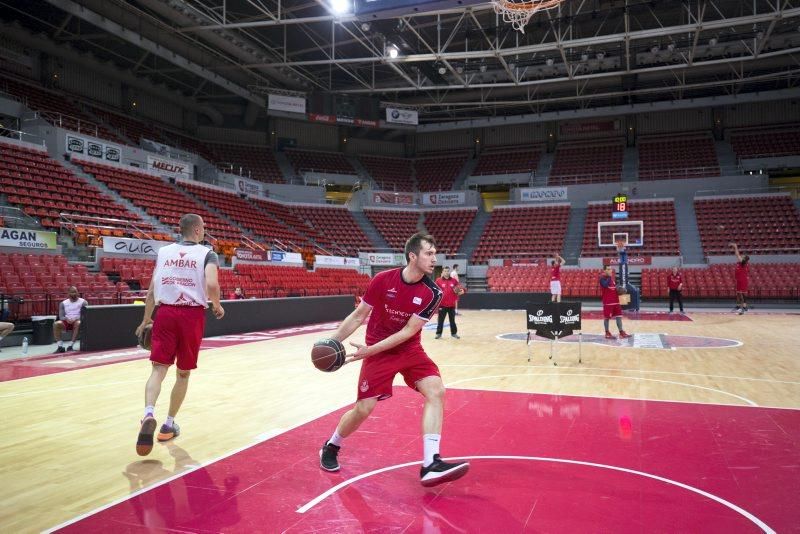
119, 245
170, 167
385, 259
245, 254
542, 194
402, 116
632, 260
337, 261
18, 238
443, 199
392, 198
285, 257
76, 144
291, 104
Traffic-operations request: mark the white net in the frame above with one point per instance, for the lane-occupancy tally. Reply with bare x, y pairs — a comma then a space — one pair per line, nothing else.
519, 12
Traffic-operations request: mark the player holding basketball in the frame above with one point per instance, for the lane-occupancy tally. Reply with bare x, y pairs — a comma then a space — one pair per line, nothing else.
742, 275
401, 301
555, 279
184, 279
611, 306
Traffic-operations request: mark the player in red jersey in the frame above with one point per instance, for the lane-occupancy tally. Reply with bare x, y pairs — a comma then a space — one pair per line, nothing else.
450, 289
742, 275
675, 284
401, 301
611, 306
555, 279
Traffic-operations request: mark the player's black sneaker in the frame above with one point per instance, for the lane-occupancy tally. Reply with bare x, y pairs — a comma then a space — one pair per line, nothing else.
329, 457
60, 350
440, 472
144, 443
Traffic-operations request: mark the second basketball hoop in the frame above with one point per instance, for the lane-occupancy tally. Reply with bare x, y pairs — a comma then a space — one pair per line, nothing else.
519, 12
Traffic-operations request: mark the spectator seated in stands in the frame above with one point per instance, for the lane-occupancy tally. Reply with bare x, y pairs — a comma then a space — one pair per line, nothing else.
237, 294
5, 329
69, 318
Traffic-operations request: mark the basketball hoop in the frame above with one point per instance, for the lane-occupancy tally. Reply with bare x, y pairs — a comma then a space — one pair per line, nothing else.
519, 12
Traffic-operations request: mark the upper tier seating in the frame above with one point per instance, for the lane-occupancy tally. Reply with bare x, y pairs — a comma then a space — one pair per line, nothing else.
783, 141
256, 162
391, 174
57, 109
529, 231
43, 189
449, 227
246, 214
396, 226
680, 156
660, 229
587, 162
508, 160
759, 224
336, 229
767, 280
166, 203
328, 162
439, 173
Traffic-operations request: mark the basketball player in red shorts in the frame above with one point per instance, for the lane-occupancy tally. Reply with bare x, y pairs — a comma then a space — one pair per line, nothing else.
184, 279
611, 306
742, 275
401, 301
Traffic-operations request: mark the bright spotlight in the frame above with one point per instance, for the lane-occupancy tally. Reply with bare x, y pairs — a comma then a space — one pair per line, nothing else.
393, 51
340, 7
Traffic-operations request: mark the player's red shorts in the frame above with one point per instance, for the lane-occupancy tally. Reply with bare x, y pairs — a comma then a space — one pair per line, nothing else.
611, 311
177, 333
741, 288
378, 372
69, 327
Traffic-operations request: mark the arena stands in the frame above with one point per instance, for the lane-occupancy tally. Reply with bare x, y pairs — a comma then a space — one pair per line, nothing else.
391, 174
335, 228
587, 162
508, 160
328, 162
759, 224
281, 281
660, 229
43, 189
689, 155
255, 162
767, 280
766, 142
449, 227
528, 231
438, 172
394, 225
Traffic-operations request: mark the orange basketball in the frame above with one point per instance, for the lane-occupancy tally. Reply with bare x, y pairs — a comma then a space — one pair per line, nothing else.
328, 355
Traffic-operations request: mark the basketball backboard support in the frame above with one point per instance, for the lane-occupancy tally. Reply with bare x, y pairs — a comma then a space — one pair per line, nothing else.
610, 232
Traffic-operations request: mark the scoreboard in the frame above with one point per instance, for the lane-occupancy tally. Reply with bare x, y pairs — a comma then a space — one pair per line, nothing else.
620, 207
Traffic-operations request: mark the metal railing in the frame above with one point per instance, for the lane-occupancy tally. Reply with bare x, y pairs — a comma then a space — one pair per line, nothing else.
16, 218
62, 120
23, 136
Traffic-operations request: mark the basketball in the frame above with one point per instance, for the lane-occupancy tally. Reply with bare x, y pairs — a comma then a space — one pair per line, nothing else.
146, 337
328, 355
459, 290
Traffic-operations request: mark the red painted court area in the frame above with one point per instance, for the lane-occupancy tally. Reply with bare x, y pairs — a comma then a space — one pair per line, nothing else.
540, 463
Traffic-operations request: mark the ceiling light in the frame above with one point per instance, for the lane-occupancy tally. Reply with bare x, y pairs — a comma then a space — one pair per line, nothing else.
442, 70
512, 66
712, 41
460, 69
584, 57
341, 7
483, 68
365, 26
549, 62
671, 47
393, 51
601, 55
654, 50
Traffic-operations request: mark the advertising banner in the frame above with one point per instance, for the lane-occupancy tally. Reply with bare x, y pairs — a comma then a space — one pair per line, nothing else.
285, 257
170, 167
112, 153
384, 259
245, 186
402, 116
635, 260
18, 238
292, 104
443, 198
75, 144
327, 119
118, 245
245, 254
337, 261
94, 149
386, 197
542, 194
588, 127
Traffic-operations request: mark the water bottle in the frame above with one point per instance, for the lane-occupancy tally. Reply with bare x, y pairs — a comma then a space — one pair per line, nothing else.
25, 345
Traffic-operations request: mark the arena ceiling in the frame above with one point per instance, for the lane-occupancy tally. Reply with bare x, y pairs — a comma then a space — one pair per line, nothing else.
462, 61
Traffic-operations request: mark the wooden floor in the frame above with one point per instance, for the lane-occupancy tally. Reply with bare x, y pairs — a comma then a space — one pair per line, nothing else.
68, 438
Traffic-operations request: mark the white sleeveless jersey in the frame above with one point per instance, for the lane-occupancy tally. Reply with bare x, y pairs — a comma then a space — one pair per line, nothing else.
180, 278
72, 310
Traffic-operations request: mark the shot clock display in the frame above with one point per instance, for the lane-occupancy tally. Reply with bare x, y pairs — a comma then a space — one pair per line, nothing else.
620, 210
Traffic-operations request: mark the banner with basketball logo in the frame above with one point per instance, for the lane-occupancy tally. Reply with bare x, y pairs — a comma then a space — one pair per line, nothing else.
443, 198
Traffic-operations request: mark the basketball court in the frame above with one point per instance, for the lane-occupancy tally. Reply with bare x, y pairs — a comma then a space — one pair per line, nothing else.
700, 434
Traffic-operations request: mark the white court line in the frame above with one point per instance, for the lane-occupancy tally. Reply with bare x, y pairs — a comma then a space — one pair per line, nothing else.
748, 401
258, 440
621, 370
758, 522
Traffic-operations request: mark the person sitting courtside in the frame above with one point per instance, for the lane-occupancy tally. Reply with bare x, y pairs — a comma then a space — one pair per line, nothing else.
69, 318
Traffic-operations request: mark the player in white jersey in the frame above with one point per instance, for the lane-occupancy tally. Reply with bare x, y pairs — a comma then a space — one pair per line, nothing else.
184, 280
69, 318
